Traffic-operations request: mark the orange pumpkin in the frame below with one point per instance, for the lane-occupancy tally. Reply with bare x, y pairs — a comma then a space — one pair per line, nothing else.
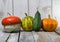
49, 24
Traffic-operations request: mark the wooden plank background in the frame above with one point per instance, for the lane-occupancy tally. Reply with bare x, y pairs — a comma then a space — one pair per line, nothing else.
3, 36
19, 7
13, 37
26, 37
29, 37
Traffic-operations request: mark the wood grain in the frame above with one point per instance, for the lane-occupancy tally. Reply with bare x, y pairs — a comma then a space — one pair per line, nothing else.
13, 37
41, 37
54, 37
26, 37
29, 37
46, 37
3, 36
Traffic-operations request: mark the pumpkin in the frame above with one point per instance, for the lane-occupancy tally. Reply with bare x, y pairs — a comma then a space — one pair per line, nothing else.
10, 20
11, 23
37, 21
49, 24
27, 23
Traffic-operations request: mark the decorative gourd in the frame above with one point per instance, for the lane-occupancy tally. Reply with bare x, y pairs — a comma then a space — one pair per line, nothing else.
49, 24
11, 23
37, 21
27, 23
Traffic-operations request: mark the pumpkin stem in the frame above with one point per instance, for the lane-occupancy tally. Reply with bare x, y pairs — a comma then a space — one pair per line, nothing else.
48, 15
9, 14
26, 14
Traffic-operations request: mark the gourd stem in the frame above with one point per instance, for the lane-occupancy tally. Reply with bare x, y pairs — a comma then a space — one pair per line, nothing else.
26, 14
9, 14
48, 15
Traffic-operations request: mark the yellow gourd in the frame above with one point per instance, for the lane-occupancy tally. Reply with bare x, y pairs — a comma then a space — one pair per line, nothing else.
27, 23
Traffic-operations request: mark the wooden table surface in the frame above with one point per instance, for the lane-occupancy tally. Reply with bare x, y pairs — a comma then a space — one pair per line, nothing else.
23, 36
